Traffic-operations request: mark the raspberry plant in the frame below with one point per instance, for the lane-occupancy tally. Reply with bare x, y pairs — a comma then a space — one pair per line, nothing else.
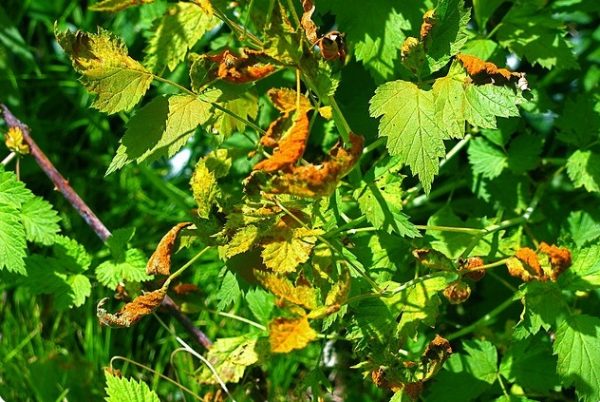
396, 214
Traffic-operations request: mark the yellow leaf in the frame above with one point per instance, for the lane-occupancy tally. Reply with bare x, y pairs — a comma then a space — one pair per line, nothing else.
293, 248
287, 334
116, 5
302, 295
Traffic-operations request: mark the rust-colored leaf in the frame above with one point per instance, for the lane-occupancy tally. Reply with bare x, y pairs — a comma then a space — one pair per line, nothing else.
318, 180
331, 45
547, 264
483, 71
131, 312
427, 24
249, 66
289, 133
287, 334
160, 261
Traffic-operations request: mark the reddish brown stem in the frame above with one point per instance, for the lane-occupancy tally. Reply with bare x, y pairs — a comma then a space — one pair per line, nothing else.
90, 218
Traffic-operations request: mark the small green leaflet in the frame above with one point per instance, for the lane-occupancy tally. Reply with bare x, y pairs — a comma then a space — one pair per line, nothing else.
204, 185
544, 306
181, 27
13, 191
577, 346
120, 389
486, 159
584, 274
583, 168
107, 71
229, 292
160, 128
584, 227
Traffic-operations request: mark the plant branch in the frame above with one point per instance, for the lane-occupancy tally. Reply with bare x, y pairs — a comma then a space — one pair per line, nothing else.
90, 218
8, 158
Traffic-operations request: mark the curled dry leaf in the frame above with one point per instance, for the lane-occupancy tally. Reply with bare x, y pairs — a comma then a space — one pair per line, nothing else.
249, 66
307, 23
160, 261
319, 180
547, 264
131, 312
287, 334
485, 72
331, 45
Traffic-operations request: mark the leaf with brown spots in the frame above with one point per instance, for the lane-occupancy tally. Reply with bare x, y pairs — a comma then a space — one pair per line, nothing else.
160, 261
287, 334
547, 264
427, 24
249, 66
131, 312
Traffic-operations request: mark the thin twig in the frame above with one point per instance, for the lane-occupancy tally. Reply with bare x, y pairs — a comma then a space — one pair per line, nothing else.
90, 218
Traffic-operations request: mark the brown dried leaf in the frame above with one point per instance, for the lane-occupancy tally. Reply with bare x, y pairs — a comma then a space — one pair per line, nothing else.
527, 266
160, 261
471, 265
484, 71
457, 292
287, 334
185, 288
131, 312
287, 100
560, 259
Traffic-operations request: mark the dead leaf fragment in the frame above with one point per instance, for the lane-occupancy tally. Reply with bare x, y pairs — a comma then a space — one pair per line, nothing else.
160, 261
250, 65
471, 268
307, 23
185, 288
131, 312
457, 292
287, 334
427, 24
547, 264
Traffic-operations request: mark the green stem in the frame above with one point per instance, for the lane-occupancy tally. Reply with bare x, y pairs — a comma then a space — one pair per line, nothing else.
471, 231
188, 264
483, 321
347, 226
238, 318
374, 145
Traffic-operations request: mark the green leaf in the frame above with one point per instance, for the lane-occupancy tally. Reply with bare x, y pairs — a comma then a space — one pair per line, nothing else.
12, 240
230, 357
204, 180
466, 375
411, 128
242, 241
583, 227
530, 364
583, 168
584, 273
229, 292
486, 102
121, 389
524, 153
579, 121
116, 5
380, 200
544, 306
73, 256
13, 191
244, 105
160, 128
181, 27
530, 31
483, 10
118, 241
261, 304
50, 275
448, 34
40, 221
107, 71
577, 346
131, 269
418, 303
376, 32
486, 159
